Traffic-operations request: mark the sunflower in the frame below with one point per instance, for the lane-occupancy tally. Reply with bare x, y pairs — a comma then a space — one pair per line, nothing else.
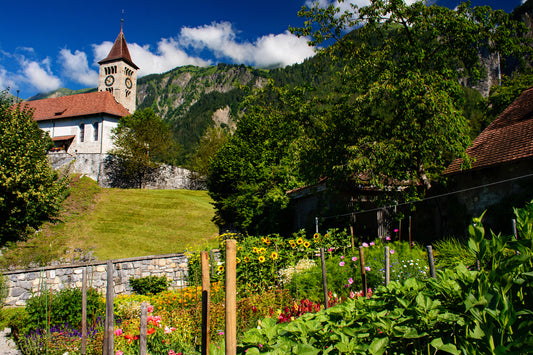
292, 243
307, 244
220, 268
246, 259
266, 240
300, 241
262, 259
274, 256
255, 249
316, 236
261, 250
238, 260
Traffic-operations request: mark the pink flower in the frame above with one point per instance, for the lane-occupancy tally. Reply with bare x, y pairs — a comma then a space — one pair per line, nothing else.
171, 352
352, 294
372, 243
341, 263
387, 238
367, 268
150, 309
396, 230
354, 258
119, 352
342, 256
118, 332
365, 245
350, 281
392, 251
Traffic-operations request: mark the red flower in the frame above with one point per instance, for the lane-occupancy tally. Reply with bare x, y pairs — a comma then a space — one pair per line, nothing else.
150, 331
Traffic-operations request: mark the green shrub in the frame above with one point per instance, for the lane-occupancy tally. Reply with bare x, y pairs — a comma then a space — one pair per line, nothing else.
451, 252
57, 308
149, 285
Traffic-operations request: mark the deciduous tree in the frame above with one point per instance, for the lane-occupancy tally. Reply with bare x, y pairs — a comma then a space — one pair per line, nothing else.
143, 141
30, 191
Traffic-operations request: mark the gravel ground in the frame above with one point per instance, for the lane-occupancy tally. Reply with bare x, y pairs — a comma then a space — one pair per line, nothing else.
7, 345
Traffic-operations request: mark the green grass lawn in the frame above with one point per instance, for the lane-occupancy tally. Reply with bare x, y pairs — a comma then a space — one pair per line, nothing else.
120, 223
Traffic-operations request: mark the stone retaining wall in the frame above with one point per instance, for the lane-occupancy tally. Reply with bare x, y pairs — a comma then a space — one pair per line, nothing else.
23, 283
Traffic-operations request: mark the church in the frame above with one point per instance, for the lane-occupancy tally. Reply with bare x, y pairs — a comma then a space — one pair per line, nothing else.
81, 125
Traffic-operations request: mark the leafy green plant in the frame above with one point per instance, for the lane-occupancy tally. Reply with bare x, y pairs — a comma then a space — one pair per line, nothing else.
450, 252
461, 311
149, 284
50, 308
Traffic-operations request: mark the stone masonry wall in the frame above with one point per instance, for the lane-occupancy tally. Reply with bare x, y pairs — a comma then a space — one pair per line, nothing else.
23, 283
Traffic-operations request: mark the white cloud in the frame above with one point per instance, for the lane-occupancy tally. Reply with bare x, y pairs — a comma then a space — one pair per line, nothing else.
76, 67
6, 81
168, 56
271, 50
40, 76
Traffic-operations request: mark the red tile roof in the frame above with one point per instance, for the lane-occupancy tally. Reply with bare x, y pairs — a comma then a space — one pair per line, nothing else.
119, 51
508, 138
76, 105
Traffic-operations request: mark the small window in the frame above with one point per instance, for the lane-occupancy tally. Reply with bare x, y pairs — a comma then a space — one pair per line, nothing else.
82, 132
95, 129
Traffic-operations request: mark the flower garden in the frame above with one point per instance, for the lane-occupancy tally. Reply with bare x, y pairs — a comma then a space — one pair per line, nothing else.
471, 307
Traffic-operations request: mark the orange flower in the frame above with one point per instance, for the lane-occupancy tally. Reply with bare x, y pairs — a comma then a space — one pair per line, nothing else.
150, 331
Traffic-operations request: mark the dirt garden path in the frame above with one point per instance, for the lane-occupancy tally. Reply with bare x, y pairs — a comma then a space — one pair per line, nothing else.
7, 345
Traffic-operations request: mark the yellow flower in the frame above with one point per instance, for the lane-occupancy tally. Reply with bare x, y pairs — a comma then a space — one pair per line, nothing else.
316, 236
246, 259
261, 259
292, 243
255, 250
299, 241
307, 244
238, 260
266, 240
274, 256
220, 268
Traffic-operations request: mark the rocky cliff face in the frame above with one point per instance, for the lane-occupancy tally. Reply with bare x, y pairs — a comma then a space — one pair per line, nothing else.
172, 94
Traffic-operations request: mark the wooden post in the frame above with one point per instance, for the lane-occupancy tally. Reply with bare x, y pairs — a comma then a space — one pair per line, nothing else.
400, 230
182, 287
231, 297
387, 266
410, 243
109, 318
363, 270
316, 224
143, 341
515, 231
431, 261
204, 259
324, 280
83, 347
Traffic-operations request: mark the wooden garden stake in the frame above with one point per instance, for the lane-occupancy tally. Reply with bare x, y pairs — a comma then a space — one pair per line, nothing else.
363, 270
515, 231
231, 297
387, 266
143, 342
410, 243
204, 258
83, 347
431, 261
324, 280
109, 319
182, 287
400, 230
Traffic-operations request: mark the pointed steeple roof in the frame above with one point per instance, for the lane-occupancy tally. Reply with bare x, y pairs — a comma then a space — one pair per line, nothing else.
119, 51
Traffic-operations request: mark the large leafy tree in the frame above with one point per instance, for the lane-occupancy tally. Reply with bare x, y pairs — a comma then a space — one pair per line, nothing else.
143, 141
30, 191
400, 84
251, 172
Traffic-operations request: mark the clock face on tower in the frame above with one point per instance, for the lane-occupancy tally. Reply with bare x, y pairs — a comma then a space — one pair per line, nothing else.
128, 83
109, 80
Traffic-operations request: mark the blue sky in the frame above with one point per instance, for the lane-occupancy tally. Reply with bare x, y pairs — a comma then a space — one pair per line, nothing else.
45, 45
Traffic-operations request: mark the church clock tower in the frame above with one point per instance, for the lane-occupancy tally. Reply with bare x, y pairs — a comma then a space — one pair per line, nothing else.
118, 74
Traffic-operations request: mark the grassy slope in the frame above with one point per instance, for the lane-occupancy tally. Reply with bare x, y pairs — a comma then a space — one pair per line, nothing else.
115, 223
